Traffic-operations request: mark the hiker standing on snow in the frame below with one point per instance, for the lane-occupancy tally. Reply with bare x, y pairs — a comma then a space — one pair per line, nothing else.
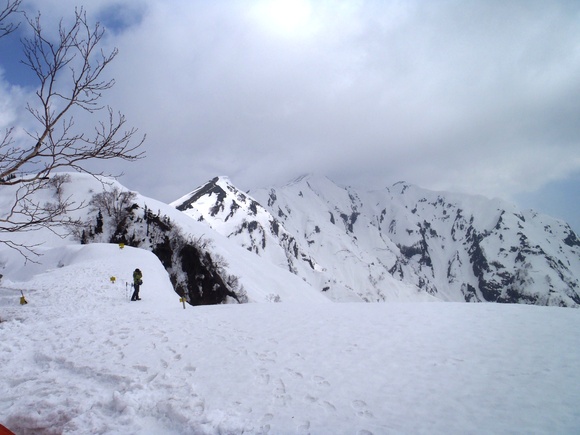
137, 281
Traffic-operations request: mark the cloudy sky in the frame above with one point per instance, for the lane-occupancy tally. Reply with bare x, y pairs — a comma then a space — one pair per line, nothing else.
469, 96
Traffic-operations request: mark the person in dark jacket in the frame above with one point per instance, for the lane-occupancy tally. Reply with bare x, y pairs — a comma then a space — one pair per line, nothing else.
137, 281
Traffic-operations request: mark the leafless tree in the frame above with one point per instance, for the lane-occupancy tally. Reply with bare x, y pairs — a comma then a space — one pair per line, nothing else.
115, 202
7, 26
70, 75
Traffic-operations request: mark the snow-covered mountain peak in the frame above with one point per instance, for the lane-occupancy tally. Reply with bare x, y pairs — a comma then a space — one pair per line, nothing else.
240, 217
377, 245
399, 187
219, 201
217, 186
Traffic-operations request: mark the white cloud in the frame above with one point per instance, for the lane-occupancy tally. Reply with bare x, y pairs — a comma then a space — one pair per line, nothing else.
471, 96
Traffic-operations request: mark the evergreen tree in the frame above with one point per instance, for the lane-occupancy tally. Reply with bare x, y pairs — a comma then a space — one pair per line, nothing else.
99, 226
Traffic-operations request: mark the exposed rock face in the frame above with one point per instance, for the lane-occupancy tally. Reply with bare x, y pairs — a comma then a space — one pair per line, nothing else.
194, 273
398, 243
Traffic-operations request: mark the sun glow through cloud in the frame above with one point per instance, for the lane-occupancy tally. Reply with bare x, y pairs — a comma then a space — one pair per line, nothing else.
285, 17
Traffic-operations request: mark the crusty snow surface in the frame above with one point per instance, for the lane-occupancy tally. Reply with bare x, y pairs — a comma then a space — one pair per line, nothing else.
81, 358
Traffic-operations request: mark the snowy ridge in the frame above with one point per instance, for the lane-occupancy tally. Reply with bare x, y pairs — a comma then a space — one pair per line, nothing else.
398, 243
242, 219
476, 249
271, 284
237, 215
455, 247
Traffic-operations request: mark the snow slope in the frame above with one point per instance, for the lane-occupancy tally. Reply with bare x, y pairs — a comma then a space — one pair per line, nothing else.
299, 239
398, 244
455, 247
80, 358
260, 279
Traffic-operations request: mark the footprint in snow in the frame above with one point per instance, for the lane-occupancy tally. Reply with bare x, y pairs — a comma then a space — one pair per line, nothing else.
198, 409
152, 377
310, 399
361, 409
242, 407
266, 356
303, 426
263, 376
280, 396
328, 406
294, 374
320, 381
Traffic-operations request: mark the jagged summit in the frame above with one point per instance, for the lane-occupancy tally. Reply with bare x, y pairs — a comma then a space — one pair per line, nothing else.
219, 199
215, 185
240, 217
398, 243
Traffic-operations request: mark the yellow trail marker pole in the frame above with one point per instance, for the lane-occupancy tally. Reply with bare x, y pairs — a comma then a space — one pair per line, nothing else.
183, 301
22, 299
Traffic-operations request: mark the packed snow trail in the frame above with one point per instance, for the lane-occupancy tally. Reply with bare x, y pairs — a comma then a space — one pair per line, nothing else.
80, 358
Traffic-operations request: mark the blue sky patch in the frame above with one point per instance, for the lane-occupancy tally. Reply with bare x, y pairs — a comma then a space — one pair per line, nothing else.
119, 17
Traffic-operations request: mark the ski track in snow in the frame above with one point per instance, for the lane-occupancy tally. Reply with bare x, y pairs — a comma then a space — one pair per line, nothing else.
81, 358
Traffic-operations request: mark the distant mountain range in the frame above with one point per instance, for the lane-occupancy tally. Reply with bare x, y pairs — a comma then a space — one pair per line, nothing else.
400, 243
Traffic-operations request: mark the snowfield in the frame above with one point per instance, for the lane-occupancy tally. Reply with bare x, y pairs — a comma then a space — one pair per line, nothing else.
81, 358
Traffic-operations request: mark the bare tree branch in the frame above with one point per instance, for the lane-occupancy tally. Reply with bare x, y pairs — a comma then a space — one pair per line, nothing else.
6, 26
70, 75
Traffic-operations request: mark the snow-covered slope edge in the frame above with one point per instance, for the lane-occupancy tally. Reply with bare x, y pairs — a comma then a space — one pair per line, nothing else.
81, 359
398, 243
